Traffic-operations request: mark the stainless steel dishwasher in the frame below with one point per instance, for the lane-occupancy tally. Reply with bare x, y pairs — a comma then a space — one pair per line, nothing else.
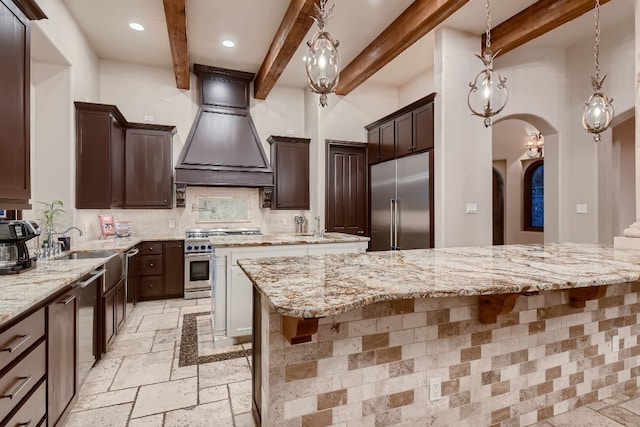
88, 324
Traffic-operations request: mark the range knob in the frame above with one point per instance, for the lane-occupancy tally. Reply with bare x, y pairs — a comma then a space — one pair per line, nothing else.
203, 247
189, 247
209, 247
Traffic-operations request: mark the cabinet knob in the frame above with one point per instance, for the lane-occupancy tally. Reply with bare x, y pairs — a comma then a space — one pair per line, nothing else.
165, 201
151, 265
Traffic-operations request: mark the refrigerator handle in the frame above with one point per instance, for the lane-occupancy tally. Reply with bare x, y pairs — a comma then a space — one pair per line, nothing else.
395, 226
393, 221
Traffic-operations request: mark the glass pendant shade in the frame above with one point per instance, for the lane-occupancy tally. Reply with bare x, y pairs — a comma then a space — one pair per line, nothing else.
323, 64
598, 112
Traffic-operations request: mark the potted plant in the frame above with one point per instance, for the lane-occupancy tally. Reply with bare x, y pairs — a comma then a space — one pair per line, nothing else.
50, 214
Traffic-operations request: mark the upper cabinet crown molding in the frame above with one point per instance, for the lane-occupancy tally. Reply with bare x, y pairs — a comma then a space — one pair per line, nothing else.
30, 9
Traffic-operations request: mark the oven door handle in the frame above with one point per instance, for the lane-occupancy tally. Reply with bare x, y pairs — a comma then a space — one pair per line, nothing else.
203, 254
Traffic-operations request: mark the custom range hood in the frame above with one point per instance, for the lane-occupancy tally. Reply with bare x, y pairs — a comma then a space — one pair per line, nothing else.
223, 147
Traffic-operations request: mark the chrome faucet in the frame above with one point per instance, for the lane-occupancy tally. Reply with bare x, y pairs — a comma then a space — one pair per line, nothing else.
299, 220
51, 232
69, 229
319, 232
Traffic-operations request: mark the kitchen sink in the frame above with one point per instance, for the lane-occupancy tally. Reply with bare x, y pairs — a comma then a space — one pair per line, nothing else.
87, 255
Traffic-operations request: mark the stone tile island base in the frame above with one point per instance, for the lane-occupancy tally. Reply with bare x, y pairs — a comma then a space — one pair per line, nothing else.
372, 366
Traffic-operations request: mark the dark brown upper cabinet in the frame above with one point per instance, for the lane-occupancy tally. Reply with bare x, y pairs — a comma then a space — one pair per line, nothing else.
290, 163
121, 164
15, 90
403, 132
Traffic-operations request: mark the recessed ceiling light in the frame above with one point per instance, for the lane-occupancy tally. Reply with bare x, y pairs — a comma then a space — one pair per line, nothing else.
136, 26
228, 43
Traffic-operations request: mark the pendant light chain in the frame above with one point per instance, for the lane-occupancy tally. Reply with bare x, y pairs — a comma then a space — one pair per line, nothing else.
488, 15
596, 49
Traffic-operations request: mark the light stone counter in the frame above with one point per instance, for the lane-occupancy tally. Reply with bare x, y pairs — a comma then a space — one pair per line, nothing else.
283, 239
319, 286
117, 244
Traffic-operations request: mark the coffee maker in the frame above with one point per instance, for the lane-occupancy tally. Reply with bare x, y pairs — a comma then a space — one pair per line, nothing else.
14, 255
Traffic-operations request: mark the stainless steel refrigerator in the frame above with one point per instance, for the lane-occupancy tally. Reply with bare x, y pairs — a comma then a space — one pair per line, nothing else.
401, 216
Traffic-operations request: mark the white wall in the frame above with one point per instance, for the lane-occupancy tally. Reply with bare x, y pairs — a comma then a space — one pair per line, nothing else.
417, 88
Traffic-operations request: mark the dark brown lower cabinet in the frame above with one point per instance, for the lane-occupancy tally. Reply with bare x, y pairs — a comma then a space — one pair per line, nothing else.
62, 355
161, 270
113, 309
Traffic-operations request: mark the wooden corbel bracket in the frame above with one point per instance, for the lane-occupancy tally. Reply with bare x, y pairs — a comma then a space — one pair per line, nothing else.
489, 306
579, 296
297, 330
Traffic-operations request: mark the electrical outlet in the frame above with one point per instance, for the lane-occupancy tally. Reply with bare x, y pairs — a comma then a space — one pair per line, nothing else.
472, 208
435, 390
284, 222
615, 343
172, 224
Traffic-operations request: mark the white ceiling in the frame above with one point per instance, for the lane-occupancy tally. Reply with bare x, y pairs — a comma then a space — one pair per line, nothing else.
253, 23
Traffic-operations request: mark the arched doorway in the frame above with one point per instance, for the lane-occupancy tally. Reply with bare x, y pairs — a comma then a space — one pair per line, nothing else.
498, 208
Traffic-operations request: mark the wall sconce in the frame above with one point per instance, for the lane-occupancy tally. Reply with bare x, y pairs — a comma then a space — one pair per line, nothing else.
535, 146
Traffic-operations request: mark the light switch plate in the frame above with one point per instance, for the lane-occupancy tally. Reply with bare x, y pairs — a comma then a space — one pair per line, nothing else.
581, 208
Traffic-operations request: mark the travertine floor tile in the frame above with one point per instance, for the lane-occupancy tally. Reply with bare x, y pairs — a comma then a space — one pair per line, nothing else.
244, 420
178, 373
105, 369
583, 417
240, 396
208, 415
100, 400
168, 396
180, 302
224, 372
163, 346
122, 348
150, 421
167, 335
214, 394
622, 415
153, 322
95, 387
111, 416
632, 405
143, 369
135, 336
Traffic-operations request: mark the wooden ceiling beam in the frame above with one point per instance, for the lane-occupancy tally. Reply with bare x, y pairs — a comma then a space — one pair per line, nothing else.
416, 21
539, 18
176, 16
293, 28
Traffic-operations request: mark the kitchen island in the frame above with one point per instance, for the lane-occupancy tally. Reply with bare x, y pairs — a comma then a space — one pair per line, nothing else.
513, 334
232, 291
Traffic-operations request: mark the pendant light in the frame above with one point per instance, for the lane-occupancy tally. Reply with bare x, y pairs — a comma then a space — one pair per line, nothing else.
322, 60
488, 94
598, 110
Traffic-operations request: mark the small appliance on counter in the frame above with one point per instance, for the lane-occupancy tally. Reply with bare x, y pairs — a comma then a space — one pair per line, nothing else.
14, 255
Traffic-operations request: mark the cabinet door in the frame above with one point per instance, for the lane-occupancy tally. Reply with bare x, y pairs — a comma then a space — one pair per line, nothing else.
148, 169
291, 173
117, 163
423, 127
387, 141
373, 140
62, 354
15, 179
150, 287
174, 269
93, 154
404, 135
120, 305
109, 318
240, 297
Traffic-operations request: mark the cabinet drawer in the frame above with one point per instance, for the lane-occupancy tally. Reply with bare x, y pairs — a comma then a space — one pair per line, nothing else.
150, 287
18, 338
32, 410
150, 248
21, 378
149, 265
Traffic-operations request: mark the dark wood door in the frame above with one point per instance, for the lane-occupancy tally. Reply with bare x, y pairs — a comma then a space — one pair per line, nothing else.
174, 269
120, 305
404, 134
498, 208
387, 141
15, 90
423, 127
62, 353
148, 169
93, 151
290, 162
109, 317
373, 139
117, 163
346, 204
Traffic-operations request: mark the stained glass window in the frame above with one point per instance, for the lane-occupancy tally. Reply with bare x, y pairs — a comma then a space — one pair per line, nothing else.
534, 197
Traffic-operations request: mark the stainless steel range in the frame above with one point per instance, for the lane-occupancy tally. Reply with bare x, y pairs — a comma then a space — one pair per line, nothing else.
198, 265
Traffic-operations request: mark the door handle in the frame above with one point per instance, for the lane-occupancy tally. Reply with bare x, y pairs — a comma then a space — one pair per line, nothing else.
360, 232
391, 225
94, 275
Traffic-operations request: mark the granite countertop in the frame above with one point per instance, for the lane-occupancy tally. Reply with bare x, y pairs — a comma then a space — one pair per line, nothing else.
117, 244
318, 286
20, 292
283, 239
